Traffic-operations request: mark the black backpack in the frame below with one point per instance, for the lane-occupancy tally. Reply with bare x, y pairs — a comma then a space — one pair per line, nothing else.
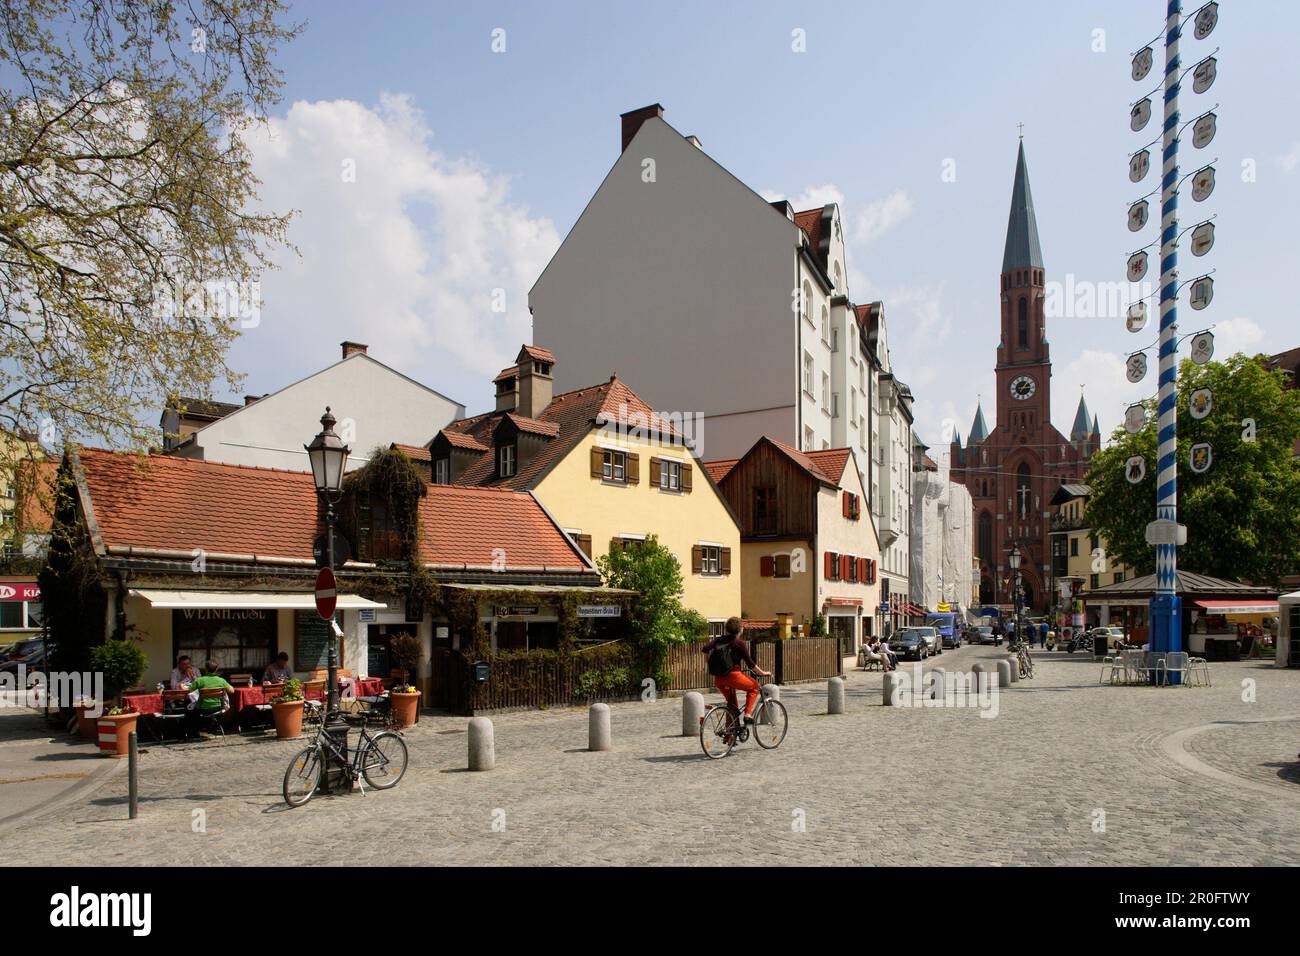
721, 660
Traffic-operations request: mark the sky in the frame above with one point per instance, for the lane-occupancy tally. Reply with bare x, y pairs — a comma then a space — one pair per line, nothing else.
437, 154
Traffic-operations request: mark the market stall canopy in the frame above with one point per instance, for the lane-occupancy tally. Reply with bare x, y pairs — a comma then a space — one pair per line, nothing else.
1190, 585
1292, 598
1239, 607
246, 600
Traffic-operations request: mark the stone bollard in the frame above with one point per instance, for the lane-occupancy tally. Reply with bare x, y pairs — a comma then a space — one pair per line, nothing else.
979, 677
773, 691
692, 711
888, 687
482, 746
938, 676
598, 736
1013, 667
1004, 673
835, 695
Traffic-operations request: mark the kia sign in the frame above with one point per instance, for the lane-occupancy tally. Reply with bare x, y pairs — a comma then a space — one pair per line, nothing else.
327, 595
12, 591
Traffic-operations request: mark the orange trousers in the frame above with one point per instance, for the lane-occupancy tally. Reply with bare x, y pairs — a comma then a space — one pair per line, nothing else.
739, 680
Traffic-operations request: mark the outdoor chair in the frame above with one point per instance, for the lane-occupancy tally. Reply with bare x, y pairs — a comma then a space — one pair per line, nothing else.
868, 661
1197, 668
311, 687
1112, 668
214, 716
1175, 663
173, 714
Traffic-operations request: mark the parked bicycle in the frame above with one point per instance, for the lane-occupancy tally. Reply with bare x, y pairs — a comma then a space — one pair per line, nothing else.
1024, 662
380, 760
721, 728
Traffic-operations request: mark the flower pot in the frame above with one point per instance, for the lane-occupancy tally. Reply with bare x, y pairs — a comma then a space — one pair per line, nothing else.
406, 707
288, 719
114, 734
86, 726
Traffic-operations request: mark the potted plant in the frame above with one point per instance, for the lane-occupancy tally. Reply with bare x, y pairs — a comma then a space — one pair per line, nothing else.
286, 708
405, 699
406, 650
86, 726
121, 662
115, 729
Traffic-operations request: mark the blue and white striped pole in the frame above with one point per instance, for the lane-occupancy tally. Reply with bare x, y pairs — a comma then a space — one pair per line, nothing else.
1166, 630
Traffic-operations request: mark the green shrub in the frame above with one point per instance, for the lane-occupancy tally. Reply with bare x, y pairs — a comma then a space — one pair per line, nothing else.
121, 662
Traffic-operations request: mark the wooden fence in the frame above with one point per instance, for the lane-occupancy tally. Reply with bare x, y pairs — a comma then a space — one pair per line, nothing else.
809, 658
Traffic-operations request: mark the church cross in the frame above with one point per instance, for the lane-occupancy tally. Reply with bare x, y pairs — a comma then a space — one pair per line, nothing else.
1021, 127
1023, 493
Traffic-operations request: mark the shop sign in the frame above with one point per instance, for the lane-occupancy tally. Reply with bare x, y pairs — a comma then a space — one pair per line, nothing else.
600, 610
20, 592
517, 611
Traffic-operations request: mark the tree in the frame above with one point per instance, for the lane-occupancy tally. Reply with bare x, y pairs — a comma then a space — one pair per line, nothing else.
1243, 515
129, 246
657, 618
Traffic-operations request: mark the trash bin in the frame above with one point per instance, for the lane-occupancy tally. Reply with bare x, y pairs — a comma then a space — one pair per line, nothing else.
1100, 646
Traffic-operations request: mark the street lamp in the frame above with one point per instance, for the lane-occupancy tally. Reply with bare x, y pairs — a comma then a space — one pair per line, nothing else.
1013, 559
328, 456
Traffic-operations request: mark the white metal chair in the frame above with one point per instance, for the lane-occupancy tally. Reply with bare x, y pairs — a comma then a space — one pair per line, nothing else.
1198, 667
1175, 663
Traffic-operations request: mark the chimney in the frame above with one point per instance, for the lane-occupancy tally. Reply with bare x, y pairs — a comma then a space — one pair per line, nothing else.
535, 383
250, 399
632, 121
507, 384
353, 348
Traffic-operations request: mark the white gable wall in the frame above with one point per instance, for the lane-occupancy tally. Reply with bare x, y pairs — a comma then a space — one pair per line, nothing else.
374, 405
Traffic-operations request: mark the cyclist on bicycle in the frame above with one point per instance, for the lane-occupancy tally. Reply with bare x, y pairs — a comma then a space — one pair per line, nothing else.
726, 653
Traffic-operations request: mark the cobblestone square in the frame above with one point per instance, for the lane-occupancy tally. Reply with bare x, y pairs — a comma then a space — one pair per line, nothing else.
1069, 772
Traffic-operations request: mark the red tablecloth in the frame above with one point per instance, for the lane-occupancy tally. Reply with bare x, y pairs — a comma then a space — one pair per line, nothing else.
145, 703
242, 697
369, 687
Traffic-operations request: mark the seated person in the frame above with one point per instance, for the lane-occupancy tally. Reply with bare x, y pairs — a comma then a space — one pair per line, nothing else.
890, 659
183, 674
200, 705
279, 670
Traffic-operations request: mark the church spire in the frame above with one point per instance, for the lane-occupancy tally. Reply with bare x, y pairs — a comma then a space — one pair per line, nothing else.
1082, 429
978, 430
1022, 250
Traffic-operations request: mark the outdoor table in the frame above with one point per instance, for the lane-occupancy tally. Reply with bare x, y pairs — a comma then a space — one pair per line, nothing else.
144, 703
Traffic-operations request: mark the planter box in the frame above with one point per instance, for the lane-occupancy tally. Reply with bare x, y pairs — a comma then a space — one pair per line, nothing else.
114, 734
288, 719
406, 708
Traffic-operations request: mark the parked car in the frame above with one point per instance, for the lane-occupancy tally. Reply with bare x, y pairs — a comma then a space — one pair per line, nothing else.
31, 664
21, 650
931, 635
909, 644
952, 639
983, 634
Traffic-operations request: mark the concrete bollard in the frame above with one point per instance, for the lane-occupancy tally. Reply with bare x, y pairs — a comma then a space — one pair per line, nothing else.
692, 711
888, 688
979, 677
835, 695
1004, 673
938, 676
482, 745
598, 736
1013, 668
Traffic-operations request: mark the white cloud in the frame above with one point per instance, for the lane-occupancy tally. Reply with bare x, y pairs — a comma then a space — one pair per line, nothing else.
1105, 386
1291, 159
405, 258
1238, 334
876, 218
813, 197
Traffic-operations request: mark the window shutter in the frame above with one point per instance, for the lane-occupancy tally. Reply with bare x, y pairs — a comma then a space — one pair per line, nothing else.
830, 565
766, 566
633, 468
844, 567
862, 570
844, 503
584, 544
686, 477
697, 559
597, 462
724, 562
656, 473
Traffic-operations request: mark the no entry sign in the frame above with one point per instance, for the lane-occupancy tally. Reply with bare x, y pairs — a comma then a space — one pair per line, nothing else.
327, 595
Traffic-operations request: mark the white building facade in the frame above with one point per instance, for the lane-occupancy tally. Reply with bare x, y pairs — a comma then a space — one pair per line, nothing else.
374, 406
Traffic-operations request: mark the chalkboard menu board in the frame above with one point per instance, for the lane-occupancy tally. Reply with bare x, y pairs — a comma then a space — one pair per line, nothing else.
311, 641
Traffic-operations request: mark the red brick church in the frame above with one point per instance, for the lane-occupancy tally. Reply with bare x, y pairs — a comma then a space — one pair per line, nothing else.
1013, 471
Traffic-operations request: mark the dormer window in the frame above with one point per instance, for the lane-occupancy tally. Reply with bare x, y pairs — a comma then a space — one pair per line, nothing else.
506, 461
442, 471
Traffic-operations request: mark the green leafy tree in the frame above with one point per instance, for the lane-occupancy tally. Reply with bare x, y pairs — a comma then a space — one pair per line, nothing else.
121, 662
130, 238
657, 618
1243, 515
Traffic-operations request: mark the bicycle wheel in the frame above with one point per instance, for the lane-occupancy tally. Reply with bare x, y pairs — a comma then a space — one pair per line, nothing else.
770, 723
717, 733
313, 718
303, 776
384, 761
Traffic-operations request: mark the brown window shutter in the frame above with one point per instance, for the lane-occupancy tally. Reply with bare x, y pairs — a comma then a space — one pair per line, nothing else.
830, 565
725, 561
597, 462
862, 570
633, 468
656, 476
766, 566
584, 544
697, 559
844, 504
686, 477
844, 566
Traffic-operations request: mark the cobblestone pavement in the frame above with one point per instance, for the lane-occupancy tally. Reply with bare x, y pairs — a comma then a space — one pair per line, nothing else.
1068, 772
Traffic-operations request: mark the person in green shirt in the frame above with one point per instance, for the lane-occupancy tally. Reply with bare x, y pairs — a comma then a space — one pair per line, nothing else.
207, 705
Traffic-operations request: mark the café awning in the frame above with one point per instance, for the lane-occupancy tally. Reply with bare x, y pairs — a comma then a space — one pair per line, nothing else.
1239, 607
246, 600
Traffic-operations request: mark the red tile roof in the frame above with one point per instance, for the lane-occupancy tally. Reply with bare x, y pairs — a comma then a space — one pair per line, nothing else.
572, 415
804, 460
506, 373
461, 440
413, 452
532, 425
473, 526
810, 221
719, 469
178, 504
539, 353
830, 462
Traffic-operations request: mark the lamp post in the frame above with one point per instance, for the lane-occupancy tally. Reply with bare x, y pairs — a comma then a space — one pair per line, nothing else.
1013, 559
329, 456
